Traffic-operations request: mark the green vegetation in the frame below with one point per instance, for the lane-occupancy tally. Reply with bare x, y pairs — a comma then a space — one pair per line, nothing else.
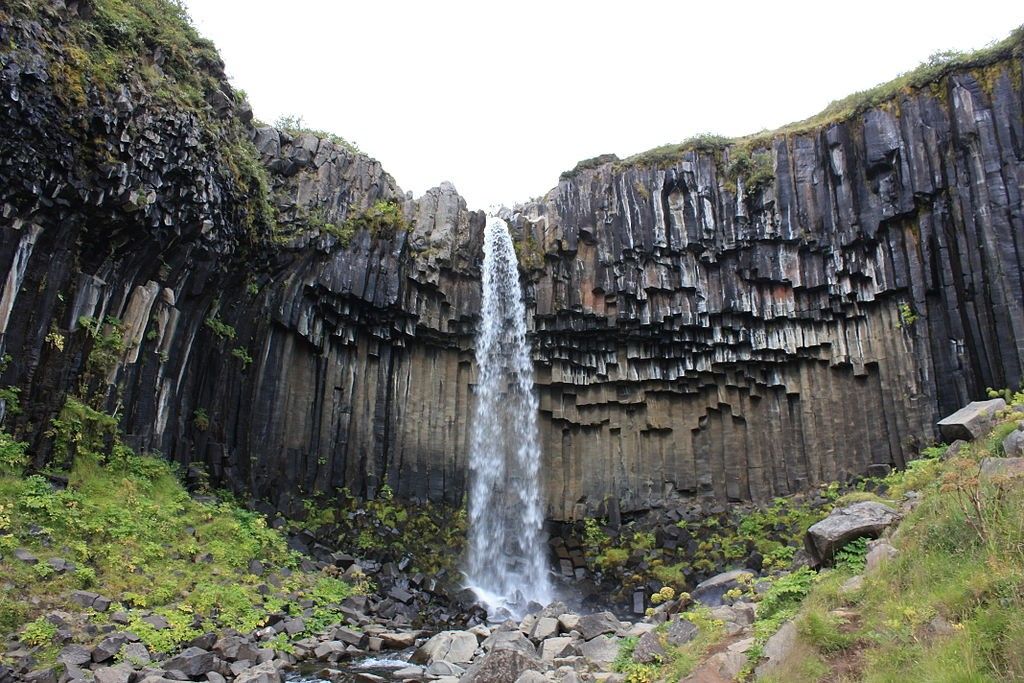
292, 125
388, 530
135, 534
384, 219
589, 164
666, 155
529, 253
242, 354
679, 661
220, 328
983, 64
152, 48
907, 315
950, 606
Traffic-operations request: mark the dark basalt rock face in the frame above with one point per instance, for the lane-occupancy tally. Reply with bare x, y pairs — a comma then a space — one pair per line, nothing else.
690, 337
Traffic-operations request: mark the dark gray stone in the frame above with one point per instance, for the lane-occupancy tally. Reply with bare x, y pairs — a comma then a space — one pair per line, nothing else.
970, 422
843, 525
192, 662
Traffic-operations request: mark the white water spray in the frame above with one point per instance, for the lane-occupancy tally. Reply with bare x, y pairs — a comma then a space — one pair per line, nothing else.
507, 564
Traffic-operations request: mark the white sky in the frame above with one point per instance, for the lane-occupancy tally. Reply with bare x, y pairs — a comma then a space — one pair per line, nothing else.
499, 98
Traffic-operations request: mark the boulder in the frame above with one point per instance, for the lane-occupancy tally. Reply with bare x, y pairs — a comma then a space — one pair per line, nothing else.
843, 525
554, 647
192, 662
993, 469
593, 625
25, 556
880, 551
971, 421
777, 649
648, 649
531, 676
501, 666
544, 627
121, 673
568, 621
136, 654
454, 647
1013, 444
108, 647
397, 641
267, 672
75, 655
710, 591
601, 651
510, 640
680, 631
234, 648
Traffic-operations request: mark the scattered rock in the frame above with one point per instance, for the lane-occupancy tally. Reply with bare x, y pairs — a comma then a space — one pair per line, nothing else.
25, 556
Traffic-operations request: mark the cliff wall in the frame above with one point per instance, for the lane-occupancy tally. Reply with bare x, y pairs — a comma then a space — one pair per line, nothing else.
699, 328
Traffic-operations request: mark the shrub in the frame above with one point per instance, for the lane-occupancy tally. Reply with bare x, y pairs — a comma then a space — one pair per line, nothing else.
39, 632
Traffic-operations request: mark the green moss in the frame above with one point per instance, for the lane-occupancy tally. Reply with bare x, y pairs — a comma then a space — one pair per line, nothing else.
589, 164
292, 125
383, 220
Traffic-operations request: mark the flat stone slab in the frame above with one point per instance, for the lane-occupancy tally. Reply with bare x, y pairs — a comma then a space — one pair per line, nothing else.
843, 525
971, 421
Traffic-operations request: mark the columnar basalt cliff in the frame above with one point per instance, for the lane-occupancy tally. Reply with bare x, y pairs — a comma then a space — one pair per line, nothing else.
696, 332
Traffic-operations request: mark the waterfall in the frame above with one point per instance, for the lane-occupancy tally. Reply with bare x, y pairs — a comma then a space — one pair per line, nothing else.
507, 564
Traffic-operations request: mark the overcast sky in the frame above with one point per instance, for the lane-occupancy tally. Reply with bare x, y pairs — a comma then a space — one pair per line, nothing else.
499, 98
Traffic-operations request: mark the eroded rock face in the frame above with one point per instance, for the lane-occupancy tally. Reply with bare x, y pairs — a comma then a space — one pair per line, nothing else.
692, 336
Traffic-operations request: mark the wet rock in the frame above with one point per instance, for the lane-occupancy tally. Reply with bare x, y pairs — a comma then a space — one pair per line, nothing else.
397, 641
453, 647
845, 524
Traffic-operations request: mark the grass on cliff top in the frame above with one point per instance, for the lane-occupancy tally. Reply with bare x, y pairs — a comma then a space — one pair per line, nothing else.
950, 606
135, 536
927, 74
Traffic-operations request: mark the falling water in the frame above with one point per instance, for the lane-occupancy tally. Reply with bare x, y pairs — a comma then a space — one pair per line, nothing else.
506, 562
